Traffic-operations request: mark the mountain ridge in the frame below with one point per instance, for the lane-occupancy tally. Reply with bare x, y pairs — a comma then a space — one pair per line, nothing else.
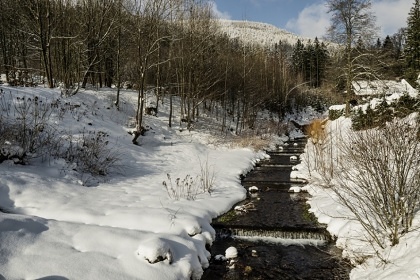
260, 33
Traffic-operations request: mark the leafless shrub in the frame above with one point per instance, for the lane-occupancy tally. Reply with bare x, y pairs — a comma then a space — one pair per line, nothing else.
190, 187
186, 188
27, 133
69, 90
91, 153
378, 180
207, 176
5, 104
25, 130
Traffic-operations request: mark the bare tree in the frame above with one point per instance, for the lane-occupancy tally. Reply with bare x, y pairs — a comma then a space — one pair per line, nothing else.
351, 21
148, 19
39, 22
97, 21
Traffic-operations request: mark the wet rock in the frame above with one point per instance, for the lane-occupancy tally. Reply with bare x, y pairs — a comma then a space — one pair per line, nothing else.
253, 189
231, 253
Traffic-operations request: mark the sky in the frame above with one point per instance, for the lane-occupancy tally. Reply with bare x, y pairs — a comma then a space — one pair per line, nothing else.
309, 18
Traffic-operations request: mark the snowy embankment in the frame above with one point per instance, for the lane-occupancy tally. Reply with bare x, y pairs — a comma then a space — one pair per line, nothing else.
401, 261
115, 229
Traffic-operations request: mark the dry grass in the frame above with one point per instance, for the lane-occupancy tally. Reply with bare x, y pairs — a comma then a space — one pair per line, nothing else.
316, 131
255, 142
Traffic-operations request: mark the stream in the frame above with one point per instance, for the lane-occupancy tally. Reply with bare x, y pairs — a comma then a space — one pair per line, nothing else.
275, 235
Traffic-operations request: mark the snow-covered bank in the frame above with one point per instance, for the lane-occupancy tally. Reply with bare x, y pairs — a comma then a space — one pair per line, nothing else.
401, 261
112, 230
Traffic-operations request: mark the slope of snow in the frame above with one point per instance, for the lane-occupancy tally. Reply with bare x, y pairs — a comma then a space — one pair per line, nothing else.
118, 227
258, 33
402, 261
384, 87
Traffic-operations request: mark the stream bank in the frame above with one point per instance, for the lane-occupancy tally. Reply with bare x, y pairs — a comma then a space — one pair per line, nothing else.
275, 235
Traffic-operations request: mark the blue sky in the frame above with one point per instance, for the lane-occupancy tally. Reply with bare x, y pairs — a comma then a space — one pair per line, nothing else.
308, 18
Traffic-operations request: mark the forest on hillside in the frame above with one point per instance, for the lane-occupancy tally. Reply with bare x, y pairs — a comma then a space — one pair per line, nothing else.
177, 48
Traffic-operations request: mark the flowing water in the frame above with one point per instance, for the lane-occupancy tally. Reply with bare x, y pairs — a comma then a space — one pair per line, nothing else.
275, 235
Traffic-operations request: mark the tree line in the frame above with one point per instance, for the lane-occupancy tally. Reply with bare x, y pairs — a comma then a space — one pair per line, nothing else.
175, 46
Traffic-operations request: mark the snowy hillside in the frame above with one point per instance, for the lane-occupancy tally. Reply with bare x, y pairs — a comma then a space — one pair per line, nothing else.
52, 226
322, 165
258, 33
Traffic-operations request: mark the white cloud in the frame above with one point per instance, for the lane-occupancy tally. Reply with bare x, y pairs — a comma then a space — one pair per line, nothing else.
217, 13
312, 21
391, 15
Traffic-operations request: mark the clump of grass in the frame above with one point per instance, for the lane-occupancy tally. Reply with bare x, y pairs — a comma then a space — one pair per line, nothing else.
207, 176
227, 217
255, 142
186, 188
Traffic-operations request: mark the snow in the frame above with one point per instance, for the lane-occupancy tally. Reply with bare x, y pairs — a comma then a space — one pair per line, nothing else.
295, 189
337, 107
220, 258
293, 158
390, 91
154, 248
380, 87
62, 223
253, 189
403, 88
285, 242
402, 261
231, 253
65, 223
259, 33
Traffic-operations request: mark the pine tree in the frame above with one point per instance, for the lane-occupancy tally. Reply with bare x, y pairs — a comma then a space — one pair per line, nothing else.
309, 63
388, 46
298, 57
320, 59
378, 44
412, 47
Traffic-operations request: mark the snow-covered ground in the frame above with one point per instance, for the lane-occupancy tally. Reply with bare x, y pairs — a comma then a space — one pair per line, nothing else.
59, 226
401, 261
376, 92
258, 33
381, 87
64, 225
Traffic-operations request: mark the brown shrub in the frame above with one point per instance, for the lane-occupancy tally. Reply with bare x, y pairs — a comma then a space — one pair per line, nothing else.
316, 130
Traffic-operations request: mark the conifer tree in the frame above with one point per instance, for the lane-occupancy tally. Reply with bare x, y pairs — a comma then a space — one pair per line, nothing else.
320, 59
298, 57
412, 46
388, 46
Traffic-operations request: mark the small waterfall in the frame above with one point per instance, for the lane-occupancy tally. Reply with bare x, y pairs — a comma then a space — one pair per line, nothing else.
316, 234
275, 234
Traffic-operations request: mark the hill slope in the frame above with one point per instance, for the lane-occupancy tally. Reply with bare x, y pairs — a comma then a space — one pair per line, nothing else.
258, 33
